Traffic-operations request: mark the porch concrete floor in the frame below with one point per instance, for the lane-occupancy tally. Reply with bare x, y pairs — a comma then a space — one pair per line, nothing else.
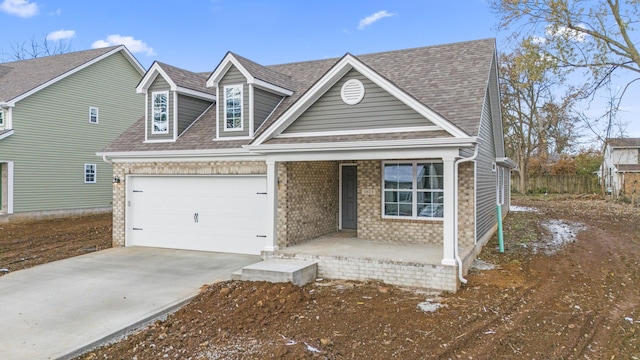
346, 244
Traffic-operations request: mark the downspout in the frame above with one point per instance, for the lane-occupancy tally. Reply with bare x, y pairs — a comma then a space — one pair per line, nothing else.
455, 206
106, 159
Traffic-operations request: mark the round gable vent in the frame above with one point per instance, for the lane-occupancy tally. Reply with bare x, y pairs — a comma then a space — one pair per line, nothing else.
352, 92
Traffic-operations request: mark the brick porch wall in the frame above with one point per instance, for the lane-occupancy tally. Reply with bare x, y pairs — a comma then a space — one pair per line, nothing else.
170, 168
466, 226
307, 201
372, 226
629, 178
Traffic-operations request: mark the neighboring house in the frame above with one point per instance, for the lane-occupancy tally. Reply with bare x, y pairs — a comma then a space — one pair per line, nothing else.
383, 166
621, 166
55, 113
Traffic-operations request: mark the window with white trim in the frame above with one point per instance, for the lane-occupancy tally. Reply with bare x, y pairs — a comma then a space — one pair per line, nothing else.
90, 173
412, 190
93, 114
233, 107
1, 119
160, 112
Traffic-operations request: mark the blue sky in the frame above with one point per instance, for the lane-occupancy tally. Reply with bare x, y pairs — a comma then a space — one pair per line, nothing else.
195, 34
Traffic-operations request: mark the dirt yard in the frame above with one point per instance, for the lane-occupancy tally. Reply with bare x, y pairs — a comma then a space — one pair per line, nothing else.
567, 287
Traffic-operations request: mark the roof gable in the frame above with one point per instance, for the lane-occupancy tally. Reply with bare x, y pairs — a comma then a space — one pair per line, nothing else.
255, 74
335, 73
20, 79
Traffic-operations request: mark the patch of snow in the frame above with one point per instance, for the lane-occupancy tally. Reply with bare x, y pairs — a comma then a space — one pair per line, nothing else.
429, 306
312, 349
4, 270
562, 232
516, 208
482, 265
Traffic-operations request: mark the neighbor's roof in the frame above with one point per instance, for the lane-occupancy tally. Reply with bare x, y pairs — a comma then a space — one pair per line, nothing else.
628, 167
20, 77
624, 142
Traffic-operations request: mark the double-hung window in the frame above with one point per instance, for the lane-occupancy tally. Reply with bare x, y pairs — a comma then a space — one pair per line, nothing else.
233, 107
160, 112
412, 190
93, 115
1, 119
90, 173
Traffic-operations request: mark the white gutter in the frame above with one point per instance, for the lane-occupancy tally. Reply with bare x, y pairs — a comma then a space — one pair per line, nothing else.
176, 153
106, 159
368, 145
455, 205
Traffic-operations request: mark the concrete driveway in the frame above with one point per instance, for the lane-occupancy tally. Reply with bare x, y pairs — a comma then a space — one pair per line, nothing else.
63, 308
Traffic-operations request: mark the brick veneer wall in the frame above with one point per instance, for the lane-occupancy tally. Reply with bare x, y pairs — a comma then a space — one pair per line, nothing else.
466, 204
307, 201
170, 168
629, 178
372, 226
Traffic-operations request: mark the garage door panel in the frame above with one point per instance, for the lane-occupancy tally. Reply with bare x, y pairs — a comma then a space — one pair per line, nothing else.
225, 214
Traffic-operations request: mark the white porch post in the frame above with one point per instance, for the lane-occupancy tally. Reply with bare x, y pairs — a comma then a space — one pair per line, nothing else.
271, 242
448, 241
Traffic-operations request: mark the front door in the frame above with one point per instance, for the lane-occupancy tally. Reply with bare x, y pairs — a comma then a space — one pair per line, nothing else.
349, 190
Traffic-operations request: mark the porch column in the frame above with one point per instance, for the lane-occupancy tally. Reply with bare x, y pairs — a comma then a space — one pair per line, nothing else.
448, 256
271, 242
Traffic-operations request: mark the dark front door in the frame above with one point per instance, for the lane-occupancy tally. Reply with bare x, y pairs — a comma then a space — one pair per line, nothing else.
349, 209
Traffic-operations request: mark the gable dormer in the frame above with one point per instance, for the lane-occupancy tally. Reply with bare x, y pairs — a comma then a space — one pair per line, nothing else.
248, 93
175, 98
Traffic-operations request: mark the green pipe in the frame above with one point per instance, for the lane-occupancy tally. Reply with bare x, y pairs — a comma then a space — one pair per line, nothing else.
500, 239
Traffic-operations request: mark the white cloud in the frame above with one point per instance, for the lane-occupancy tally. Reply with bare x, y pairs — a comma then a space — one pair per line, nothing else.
373, 18
539, 40
135, 46
61, 35
21, 8
567, 33
56, 12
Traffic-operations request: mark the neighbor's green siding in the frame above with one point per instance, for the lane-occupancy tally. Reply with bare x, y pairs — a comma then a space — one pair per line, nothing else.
53, 138
377, 110
233, 77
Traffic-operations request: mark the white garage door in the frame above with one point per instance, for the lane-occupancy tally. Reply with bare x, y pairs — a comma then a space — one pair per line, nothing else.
210, 213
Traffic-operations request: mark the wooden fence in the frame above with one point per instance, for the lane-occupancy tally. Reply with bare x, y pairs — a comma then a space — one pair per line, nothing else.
557, 184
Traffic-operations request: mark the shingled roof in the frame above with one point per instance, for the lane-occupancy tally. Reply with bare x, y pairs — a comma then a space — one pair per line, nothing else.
20, 77
624, 142
449, 79
187, 79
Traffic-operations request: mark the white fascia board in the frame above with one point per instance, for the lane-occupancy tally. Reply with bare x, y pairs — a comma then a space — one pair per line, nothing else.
367, 154
506, 162
150, 77
357, 145
347, 63
360, 132
169, 155
222, 69
196, 94
6, 134
12, 102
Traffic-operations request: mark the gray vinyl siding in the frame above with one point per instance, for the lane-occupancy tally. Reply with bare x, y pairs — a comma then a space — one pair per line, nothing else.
486, 178
189, 109
159, 84
263, 104
53, 138
377, 110
494, 96
233, 77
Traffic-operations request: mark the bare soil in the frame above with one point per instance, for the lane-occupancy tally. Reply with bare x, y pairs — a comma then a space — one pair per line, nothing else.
579, 301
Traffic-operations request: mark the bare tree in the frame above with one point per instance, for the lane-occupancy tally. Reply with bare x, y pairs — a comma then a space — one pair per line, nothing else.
36, 48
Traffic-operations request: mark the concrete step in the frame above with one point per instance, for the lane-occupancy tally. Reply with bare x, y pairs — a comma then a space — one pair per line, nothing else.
299, 272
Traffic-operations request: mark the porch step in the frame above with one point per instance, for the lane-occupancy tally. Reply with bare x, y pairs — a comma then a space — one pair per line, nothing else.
299, 272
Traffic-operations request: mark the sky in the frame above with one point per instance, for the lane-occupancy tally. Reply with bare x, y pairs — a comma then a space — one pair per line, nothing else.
196, 34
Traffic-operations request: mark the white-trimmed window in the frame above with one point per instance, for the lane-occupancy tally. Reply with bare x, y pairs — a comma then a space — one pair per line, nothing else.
1, 119
90, 173
412, 190
93, 114
160, 112
233, 107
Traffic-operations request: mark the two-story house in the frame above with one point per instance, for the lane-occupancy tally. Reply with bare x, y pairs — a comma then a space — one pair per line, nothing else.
55, 113
385, 166
621, 166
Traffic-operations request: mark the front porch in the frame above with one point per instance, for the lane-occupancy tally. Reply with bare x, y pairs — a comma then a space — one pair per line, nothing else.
342, 255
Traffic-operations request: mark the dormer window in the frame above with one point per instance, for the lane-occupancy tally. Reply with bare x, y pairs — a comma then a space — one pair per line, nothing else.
1, 119
160, 108
233, 107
